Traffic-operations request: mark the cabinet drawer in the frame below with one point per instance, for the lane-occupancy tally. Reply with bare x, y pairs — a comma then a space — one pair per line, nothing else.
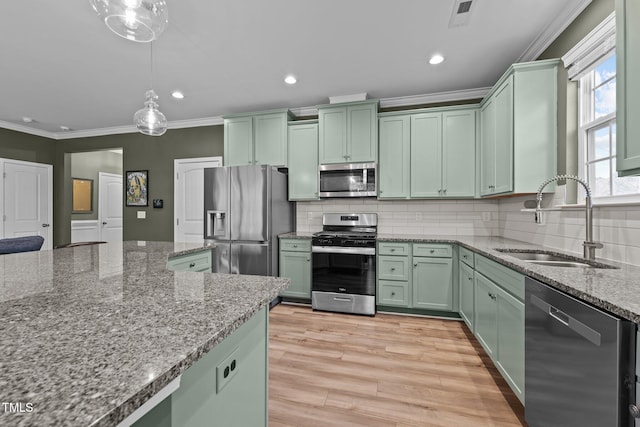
393, 293
393, 268
510, 280
467, 256
295, 245
391, 248
432, 250
200, 261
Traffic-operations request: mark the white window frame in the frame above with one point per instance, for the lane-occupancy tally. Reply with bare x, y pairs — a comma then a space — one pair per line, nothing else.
586, 55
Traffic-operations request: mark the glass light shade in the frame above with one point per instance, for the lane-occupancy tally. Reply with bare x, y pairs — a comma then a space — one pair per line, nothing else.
137, 20
149, 120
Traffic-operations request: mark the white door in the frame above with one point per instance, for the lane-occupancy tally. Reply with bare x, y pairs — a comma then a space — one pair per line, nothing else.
27, 200
110, 207
188, 196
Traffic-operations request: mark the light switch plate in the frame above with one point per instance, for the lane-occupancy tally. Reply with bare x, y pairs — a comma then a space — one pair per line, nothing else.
142, 214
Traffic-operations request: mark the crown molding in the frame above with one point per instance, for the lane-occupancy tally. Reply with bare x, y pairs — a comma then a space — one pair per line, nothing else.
26, 129
432, 98
553, 30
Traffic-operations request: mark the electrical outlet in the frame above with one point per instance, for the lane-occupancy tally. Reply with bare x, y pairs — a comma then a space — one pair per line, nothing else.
486, 216
226, 370
141, 214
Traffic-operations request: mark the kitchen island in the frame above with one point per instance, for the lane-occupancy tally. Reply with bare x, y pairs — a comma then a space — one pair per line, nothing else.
91, 333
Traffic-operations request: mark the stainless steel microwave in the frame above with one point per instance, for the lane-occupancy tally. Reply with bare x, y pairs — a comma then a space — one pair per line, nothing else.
348, 180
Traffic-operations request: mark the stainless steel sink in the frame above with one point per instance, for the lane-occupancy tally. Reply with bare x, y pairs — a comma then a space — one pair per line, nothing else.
552, 259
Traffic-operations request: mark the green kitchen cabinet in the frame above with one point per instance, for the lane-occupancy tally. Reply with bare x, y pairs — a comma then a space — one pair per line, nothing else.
519, 130
627, 87
295, 264
303, 160
466, 285
394, 153
256, 138
485, 310
393, 265
510, 355
459, 153
348, 133
432, 278
426, 155
198, 261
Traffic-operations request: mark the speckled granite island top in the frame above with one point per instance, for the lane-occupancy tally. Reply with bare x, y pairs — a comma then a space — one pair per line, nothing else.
615, 290
90, 333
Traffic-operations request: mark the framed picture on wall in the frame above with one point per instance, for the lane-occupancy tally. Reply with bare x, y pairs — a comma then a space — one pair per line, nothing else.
82, 195
137, 188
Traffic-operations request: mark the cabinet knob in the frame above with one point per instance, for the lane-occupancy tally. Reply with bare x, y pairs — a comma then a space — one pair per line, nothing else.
469, 278
432, 251
444, 191
295, 246
393, 249
308, 259
192, 264
393, 269
415, 265
393, 294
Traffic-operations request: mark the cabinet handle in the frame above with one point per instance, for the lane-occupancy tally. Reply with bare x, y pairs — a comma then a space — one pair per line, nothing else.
393, 294
393, 249
415, 265
393, 269
308, 259
444, 191
295, 246
432, 251
492, 296
464, 256
192, 264
469, 278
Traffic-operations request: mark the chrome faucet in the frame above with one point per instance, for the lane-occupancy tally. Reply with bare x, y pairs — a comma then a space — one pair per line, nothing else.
589, 245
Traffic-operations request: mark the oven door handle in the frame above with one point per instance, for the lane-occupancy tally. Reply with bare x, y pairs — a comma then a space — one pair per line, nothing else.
342, 250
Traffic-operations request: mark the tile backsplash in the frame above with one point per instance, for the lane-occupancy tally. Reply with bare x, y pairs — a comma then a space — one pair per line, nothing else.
433, 217
616, 227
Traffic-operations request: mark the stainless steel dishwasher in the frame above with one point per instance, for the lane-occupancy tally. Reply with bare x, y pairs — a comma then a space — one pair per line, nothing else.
579, 362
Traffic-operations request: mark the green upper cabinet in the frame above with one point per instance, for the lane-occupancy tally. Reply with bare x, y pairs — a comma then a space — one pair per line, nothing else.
348, 133
303, 161
256, 138
519, 130
426, 155
628, 87
429, 153
393, 166
238, 141
459, 153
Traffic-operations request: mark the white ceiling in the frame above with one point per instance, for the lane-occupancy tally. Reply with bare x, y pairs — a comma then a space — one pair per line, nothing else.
61, 65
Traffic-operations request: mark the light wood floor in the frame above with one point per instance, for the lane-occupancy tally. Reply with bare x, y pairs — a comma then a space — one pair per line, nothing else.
329, 369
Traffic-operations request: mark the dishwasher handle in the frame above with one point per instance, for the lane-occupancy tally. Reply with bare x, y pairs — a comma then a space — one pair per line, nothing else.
570, 322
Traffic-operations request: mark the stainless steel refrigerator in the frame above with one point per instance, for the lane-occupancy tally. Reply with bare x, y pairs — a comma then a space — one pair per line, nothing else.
245, 208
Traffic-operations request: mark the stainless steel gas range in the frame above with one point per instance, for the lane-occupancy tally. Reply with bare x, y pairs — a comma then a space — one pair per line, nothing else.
344, 264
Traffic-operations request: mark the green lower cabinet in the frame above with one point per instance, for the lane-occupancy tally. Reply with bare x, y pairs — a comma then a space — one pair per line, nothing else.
297, 267
198, 261
485, 310
295, 264
465, 277
393, 293
432, 283
227, 387
510, 358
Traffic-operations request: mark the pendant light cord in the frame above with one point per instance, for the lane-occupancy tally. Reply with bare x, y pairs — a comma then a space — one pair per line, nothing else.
151, 63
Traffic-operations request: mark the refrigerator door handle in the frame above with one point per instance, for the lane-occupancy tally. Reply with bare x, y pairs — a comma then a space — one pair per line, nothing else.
216, 223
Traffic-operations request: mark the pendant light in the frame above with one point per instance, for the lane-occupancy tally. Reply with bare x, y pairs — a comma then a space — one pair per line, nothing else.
137, 20
149, 120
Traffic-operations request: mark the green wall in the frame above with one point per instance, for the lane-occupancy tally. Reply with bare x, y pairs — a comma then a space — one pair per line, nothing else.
590, 18
88, 166
29, 148
140, 152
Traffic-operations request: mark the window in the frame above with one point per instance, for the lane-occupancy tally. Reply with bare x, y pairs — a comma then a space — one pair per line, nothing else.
597, 99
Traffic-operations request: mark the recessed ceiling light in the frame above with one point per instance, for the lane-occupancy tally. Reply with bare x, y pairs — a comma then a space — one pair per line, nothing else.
65, 128
436, 59
290, 80
177, 94
27, 119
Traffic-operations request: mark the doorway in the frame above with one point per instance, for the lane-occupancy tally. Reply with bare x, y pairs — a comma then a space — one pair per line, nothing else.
102, 220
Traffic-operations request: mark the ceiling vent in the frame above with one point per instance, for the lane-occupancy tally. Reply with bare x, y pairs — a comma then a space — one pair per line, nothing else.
461, 12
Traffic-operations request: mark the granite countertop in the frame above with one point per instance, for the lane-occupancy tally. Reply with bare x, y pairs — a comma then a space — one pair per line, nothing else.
90, 333
296, 235
615, 290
